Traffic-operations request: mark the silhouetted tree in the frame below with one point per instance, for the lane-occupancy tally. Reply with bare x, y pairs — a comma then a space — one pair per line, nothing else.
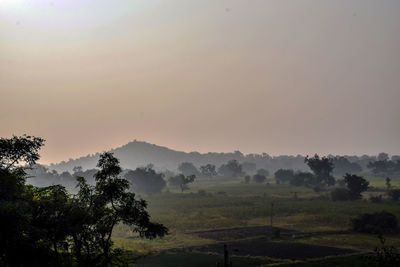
322, 169
247, 179
394, 194
303, 179
356, 185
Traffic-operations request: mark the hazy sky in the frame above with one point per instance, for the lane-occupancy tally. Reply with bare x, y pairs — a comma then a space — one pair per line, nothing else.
282, 77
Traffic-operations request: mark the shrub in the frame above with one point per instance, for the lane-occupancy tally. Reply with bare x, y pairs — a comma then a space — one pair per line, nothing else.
394, 194
376, 199
340, 194
376, 223
258, 178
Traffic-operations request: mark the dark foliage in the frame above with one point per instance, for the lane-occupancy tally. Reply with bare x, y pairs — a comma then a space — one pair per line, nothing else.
394, 194
208, 170
258, 178
283, 175
181, 181
231, 169
146, 180
356, 185
322, 169
340, 194
376, 223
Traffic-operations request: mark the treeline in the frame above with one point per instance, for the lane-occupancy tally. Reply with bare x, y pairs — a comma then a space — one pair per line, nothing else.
136, 154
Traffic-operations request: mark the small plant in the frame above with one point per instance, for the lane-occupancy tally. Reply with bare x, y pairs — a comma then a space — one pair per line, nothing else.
384, 256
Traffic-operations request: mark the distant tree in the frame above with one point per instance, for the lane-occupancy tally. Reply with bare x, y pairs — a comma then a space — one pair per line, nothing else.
356, 185
181, 181
376, 223
247, 179
249, 167
258, 178
208, 170
146, 180
232, 168
187, 168
394, 194
384, 167
383, 156
263, 172
284, 175
322, 169
342, 166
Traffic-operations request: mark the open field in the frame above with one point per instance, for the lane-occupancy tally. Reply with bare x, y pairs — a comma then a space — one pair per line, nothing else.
210, 214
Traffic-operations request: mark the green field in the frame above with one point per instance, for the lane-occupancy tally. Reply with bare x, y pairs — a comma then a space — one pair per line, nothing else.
210, 205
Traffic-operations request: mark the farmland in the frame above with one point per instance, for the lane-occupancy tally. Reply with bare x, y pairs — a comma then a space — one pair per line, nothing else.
313, 229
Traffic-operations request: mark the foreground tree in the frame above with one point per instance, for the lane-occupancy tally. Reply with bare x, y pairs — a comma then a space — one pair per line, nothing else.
48, 227
105, 205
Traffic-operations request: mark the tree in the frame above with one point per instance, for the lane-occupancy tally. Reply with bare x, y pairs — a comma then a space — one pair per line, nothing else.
283, 175
181, 181
208, 170
394, 194
232, 168
146, 180
247, 179
322, 169
356, 185
101, 207
187, 168
258, 178
263, 172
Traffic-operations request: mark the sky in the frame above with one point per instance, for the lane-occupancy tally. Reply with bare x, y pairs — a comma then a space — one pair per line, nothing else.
281, 77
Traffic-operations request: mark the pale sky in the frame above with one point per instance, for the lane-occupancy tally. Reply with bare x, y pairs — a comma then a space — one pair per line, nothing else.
282, 77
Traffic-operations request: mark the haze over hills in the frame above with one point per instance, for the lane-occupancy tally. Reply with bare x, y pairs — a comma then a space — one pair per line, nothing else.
139, 153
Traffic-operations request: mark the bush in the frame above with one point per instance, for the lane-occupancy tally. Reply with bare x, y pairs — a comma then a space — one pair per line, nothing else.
258, 178
247, 179
376, 223
394, 194
376, 199
340, 194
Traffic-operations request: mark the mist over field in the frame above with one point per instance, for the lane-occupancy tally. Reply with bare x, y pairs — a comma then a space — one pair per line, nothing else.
199, 133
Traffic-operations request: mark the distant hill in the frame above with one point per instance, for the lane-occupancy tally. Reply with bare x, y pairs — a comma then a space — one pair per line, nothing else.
138, 153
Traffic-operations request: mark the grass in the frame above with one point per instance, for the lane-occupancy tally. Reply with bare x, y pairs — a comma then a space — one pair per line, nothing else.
228, 204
